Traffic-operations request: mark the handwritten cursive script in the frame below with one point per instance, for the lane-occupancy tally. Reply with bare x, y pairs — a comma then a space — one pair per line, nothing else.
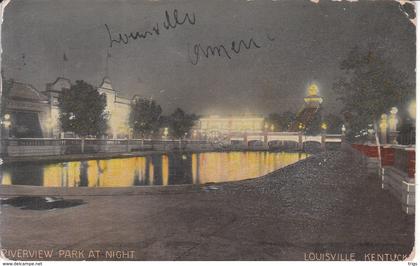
171, 21
221, 50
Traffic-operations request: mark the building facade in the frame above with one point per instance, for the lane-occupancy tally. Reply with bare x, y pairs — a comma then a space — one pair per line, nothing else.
27, 110
35, 114
119, 110
214, 127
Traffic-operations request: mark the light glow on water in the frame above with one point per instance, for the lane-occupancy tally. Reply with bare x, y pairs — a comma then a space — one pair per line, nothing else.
171, 169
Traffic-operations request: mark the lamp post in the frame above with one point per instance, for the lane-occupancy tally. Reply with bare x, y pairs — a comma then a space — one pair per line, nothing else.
265, 127
343, 135
412, 114
301, 127
383, 126
393, 122
324, 127
165, 133
371, 131
49, 124
6, 123
412, 110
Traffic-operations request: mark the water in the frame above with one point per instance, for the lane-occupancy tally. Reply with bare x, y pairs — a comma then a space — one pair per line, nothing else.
170, 169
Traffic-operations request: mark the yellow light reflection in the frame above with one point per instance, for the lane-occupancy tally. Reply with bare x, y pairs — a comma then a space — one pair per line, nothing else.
126, 172
242, 165
194, 168
6, 178
151, 173
165, 170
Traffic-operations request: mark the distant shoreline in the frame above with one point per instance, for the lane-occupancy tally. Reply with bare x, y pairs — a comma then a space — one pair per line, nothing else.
98, 156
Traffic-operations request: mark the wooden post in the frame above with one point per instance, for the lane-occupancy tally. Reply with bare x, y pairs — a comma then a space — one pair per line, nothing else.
246, 140
83, 144
300, 140
266, 140
323, 140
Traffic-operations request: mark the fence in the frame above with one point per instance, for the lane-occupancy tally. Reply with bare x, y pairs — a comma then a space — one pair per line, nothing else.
44, 147
396, 168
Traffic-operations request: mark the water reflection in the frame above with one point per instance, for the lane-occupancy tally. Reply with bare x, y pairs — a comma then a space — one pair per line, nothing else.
171, 169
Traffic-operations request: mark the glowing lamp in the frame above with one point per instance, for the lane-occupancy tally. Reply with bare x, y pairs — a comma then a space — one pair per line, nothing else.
393, 119
412, 109
313, 90
7, 124
383, 124
301, 126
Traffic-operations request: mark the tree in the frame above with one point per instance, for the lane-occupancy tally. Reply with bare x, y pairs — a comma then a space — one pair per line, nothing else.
82, 110
145, 117
7, 85
6, 88
334, 123
180, 123
370, 87
314, 126
281, 122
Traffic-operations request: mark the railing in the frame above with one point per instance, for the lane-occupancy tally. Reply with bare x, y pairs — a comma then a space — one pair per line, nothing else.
33, 142
54, 147
407, 138
333, 135
71, 141
104, 142
402, 157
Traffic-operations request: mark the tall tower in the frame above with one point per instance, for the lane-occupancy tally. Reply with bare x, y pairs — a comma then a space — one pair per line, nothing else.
309, 110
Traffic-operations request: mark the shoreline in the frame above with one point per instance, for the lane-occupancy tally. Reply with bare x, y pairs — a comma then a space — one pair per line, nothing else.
115, 155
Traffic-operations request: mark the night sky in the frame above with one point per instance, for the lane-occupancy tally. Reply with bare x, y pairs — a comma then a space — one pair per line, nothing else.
300, 42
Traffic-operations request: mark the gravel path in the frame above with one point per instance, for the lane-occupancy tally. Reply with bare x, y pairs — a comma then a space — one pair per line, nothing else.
324, 204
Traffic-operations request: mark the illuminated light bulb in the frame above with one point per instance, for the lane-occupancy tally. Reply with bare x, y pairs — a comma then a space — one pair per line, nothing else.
313, 90
412, 109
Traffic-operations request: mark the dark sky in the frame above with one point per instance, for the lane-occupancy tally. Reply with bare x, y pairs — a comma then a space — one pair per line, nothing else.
310, 41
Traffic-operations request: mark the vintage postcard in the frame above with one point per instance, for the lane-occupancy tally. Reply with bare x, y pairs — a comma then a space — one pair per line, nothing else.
161, 130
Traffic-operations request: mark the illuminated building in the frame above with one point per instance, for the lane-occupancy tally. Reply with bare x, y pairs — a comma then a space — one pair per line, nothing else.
35, 114
216, 126
53, 92
118, 108
27, 109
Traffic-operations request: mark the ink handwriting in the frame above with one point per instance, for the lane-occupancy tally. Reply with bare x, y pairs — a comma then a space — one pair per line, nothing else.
171, 21
221, 50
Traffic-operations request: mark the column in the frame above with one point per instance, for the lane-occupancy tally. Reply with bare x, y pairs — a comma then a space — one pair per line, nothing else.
383, 127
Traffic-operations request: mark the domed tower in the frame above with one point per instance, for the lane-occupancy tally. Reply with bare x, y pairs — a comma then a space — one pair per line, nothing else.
313, 100
309, 110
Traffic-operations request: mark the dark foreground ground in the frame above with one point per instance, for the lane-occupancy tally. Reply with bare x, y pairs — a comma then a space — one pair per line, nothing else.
325, 204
